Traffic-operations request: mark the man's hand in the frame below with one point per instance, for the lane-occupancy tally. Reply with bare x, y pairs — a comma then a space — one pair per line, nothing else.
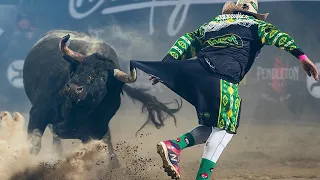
310, 68
154, 79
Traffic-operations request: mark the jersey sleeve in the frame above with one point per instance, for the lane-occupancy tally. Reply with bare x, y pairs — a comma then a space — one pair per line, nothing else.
187, 46
270, 35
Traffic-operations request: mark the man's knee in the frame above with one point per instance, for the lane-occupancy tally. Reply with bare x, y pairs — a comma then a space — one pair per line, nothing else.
204, 119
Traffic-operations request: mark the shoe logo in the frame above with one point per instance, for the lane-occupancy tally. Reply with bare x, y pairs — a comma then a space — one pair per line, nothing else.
174, 157
204, 176
178, 139
187, 140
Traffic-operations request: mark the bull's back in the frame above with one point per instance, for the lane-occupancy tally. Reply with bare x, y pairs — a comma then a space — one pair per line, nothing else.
45, 70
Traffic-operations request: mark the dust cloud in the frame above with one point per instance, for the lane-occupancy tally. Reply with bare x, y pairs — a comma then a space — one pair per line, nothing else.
13, 148
84, 162
128, 43
132, 44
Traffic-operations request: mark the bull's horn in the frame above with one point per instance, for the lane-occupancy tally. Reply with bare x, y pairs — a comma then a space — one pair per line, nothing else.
68, 52
126, 78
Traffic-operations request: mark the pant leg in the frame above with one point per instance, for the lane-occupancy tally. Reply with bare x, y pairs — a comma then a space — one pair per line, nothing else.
215, 144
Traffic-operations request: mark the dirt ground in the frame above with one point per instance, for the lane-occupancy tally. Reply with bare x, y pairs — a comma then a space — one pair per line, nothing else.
258, 152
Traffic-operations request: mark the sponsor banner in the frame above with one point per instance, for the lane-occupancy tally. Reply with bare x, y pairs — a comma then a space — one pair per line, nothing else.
278, 87
277, 79
152, 16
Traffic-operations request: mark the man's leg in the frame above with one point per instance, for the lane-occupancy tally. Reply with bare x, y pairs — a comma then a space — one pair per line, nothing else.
214, 147
170, 150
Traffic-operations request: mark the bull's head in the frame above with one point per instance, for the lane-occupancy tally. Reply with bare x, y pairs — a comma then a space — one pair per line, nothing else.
89, 75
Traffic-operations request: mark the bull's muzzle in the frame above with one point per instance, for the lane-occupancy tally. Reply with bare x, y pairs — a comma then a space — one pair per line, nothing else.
74, 88
74, 92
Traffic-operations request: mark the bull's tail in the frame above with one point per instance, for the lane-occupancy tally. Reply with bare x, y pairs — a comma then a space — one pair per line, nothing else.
156, 109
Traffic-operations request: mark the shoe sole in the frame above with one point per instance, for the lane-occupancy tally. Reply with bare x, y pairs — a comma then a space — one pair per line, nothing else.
167, 165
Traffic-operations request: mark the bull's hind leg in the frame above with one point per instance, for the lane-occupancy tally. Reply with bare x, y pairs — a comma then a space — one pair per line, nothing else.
100, 133
100, 127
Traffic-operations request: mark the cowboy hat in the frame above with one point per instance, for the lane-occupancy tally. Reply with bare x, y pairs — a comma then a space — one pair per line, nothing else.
247, 6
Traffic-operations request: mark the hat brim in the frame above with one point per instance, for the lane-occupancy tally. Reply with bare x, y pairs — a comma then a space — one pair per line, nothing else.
230, 7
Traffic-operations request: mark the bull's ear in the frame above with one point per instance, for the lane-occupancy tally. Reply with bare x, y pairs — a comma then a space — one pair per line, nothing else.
73, 63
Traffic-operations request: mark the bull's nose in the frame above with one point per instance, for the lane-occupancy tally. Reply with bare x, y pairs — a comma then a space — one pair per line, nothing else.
79, 89
73, 87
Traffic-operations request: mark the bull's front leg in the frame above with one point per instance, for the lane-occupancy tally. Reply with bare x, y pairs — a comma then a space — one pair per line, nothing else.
114, 159
36, 126
56, 141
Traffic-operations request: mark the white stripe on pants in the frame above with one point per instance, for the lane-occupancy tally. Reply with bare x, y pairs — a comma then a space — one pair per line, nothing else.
215, 144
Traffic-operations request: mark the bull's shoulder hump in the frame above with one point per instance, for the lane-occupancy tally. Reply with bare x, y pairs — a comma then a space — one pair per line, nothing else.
90, 44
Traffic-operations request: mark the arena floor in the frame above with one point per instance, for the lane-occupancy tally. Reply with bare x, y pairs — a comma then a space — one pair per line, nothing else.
258, 152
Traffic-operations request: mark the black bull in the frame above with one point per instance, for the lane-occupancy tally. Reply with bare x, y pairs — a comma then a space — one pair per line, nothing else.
77, 90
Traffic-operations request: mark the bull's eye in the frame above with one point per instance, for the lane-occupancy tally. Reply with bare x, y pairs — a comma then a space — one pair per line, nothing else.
90, 78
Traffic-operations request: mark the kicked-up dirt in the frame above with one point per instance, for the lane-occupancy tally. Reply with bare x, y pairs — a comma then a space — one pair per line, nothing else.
269, 151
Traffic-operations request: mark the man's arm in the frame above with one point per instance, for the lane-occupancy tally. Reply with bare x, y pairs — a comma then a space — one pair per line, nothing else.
187, 46
270, 35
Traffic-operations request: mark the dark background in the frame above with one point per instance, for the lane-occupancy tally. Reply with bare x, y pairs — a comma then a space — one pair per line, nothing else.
266, 98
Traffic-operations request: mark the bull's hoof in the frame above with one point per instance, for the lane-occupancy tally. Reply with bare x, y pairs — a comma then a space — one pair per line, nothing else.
88, 149
34, 151
34, 139
82, 152
35, 148
114, 161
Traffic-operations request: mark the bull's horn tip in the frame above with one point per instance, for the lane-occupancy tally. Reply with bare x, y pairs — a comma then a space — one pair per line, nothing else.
66, 38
